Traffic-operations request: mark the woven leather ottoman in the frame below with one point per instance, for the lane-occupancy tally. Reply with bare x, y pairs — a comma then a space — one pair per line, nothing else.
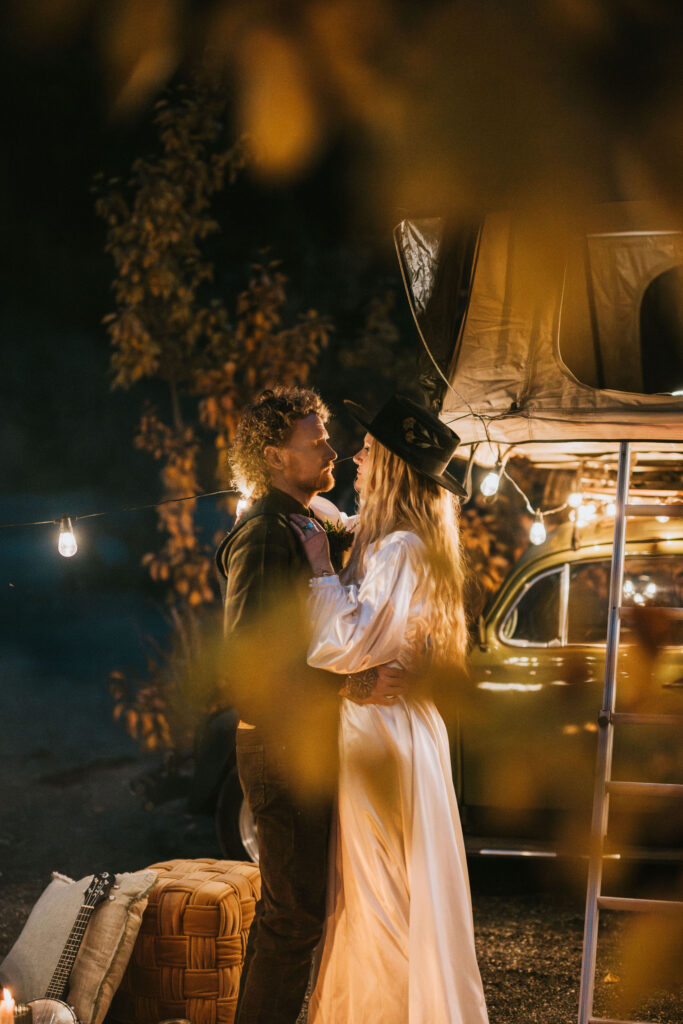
189, 953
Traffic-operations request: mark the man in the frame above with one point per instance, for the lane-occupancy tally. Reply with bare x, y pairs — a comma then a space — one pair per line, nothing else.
282, 458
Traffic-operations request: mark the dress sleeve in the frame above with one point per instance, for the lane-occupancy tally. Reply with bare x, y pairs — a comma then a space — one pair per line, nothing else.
357, 627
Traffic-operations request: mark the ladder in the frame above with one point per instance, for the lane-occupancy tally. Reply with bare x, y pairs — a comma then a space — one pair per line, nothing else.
604, 785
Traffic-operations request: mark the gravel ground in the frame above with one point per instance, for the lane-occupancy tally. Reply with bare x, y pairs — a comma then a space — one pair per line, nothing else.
83, 818
529, 946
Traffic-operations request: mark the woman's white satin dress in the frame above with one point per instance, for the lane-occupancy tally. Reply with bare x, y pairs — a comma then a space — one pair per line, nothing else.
399, 942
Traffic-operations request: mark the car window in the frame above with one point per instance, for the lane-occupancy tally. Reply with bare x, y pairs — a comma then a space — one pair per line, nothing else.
535, 617
655, 583
588, 602
649, 582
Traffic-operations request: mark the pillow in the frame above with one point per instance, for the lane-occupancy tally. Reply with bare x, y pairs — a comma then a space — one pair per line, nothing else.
106, 948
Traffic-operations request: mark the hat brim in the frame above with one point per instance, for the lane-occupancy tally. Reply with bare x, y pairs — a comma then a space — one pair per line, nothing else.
445, 479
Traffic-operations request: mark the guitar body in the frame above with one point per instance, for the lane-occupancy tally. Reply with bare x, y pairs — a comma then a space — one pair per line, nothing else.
52, 1011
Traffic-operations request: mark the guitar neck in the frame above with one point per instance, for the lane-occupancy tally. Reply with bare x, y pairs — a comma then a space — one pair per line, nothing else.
60, 979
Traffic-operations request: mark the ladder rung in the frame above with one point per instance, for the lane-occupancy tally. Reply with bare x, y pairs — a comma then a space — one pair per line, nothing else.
613, 1020
645, 788
628, 718
661, 609
644, 906
674, 509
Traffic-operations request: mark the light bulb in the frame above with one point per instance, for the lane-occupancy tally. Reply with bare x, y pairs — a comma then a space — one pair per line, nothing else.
490, 483
650, 589
537, 532
629, 589
586, 513
66, 545
575, 499
662, 519
610, 508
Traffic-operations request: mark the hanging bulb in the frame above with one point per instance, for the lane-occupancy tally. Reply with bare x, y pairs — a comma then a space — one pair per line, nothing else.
537, 532
491, 482
66, 545
586, 513
610, 508
662, 519
575, 499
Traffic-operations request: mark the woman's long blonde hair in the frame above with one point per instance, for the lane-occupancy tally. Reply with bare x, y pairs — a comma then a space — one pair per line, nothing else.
395, 497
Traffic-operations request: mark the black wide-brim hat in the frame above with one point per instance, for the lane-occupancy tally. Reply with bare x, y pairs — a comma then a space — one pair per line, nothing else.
416, 435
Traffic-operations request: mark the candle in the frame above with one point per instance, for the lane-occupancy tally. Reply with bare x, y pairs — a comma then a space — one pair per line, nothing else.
7, 1007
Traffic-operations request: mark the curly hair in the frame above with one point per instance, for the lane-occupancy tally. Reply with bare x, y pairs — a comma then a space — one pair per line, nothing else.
268, 421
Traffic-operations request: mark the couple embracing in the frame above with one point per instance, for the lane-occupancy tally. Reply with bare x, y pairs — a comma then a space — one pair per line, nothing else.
376, 883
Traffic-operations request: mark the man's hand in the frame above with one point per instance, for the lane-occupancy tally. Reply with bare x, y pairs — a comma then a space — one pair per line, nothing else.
391, 684
383, 684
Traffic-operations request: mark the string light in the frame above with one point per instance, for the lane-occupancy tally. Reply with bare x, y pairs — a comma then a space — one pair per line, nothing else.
116, 511
491, 482
537, 533
586, 513
581, 512
66, 545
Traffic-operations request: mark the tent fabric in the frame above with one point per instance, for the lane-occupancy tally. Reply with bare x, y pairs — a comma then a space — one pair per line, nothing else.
502, 356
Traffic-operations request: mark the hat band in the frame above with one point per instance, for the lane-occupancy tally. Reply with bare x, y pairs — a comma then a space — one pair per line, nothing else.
427, 461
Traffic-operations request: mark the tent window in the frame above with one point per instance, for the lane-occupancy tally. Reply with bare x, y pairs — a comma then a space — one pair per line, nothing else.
661, 333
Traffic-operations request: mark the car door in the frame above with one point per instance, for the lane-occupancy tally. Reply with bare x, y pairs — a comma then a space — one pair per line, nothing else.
650, 664
526, 748
528, 739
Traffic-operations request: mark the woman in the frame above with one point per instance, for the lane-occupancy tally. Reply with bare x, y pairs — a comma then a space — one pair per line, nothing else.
399, 944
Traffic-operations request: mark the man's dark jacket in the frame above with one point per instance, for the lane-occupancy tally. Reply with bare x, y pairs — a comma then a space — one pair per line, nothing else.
259, 560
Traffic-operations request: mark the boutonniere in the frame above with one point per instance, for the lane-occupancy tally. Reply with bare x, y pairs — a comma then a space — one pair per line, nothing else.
340, 540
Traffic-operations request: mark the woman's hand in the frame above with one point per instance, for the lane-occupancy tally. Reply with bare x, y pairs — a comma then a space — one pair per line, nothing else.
315, 544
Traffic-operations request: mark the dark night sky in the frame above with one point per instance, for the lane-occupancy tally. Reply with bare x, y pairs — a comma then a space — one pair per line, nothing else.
61, 427
66, 438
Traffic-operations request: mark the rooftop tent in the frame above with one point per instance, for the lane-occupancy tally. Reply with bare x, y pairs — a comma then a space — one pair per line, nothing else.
506, 308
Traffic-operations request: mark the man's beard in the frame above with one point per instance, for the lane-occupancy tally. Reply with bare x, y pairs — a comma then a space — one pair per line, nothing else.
325, 481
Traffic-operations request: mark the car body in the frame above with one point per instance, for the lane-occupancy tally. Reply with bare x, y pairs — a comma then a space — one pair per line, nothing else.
524, 752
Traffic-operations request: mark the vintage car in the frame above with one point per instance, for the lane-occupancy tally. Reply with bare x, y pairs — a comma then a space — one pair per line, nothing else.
525, 750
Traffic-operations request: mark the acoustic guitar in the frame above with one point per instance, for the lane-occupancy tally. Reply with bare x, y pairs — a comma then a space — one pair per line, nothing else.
52, 1009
